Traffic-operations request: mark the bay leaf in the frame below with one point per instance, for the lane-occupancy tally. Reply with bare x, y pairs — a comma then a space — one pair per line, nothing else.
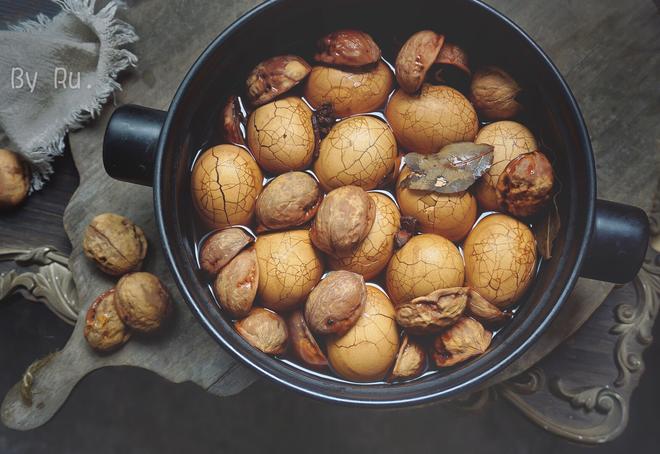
547, 229
452, 169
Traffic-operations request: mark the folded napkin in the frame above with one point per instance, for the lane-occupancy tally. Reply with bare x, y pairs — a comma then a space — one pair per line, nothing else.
56, 74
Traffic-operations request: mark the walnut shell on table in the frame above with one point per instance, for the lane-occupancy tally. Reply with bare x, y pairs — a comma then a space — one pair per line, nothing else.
14, 179
104, 330
115, 244
142, 302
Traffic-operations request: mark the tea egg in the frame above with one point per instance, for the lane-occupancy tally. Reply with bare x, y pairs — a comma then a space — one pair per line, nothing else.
438, 116
368, 350
500, 259
359, 151
449, 215
425, 263
281, 135
225, 184
289, 268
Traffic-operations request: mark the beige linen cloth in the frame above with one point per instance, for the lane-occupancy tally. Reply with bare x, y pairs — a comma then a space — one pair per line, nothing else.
56, 74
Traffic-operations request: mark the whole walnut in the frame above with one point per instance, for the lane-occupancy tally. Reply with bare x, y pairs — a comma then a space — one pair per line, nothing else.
14, 179
116, 244
104, 329
142, 302
493, 92
343, 219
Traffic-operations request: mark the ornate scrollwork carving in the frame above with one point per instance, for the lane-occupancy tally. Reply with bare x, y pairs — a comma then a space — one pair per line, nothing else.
52, 284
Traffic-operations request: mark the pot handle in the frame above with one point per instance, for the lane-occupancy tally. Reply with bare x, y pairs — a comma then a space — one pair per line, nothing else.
619, 243
130, 142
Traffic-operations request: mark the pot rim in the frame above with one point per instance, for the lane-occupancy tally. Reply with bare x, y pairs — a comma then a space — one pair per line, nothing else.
441, 393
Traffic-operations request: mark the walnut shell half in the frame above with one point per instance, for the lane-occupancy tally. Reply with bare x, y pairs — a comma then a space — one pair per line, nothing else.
275, 76
104, 329
466, 339
264, 330
433, 312
336, 303
347, 48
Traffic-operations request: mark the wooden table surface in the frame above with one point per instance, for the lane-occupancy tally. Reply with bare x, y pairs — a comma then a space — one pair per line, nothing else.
28, 331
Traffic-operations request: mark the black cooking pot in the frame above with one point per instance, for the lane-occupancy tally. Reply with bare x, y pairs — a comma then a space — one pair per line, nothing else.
600, 240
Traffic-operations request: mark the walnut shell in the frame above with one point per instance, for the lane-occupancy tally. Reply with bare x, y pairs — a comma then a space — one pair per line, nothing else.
236, 284
464, 340
336, 303
484, 311
372, 255
115, 244
289, 200
433, 312
524, 189
14, 179
264, 330
142, 302
347, 48
275, 76
231, 121
493, 92
104, 329
343, 220
221, 247
303, 344
410, 360
416, 57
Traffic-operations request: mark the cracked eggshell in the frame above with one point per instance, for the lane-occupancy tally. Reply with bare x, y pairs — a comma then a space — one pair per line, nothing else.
349, 93
500, 259
449, 215
359, 151
281, 135
426, 263
289, 268
368, 350
225, 184
436, 117
374, 252
509, 140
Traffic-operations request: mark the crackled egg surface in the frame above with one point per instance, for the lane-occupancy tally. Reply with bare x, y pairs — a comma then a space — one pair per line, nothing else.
509, 140
500, 259
426, 263
367, 351
349, 92
437, 116
359, 151
225, 184
289, 267
449, 215
281, 136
